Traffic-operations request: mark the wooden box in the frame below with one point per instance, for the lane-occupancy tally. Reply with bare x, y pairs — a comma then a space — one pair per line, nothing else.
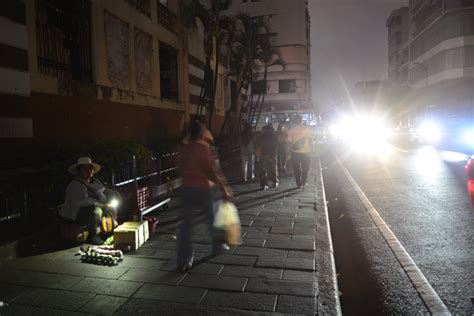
127, 236
131, 233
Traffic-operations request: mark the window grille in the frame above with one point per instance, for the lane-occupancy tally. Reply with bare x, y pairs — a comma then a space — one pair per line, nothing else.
63, 39
287, 86
168, 72
143, 6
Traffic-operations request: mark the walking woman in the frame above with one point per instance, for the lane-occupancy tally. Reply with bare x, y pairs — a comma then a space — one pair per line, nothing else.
200, 175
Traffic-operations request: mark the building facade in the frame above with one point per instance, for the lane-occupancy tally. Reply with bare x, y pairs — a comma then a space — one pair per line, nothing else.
398, 47
440, 50
85, 71
16, 123
286, 88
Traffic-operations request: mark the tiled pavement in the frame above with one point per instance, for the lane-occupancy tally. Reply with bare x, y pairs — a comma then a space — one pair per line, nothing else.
277, 269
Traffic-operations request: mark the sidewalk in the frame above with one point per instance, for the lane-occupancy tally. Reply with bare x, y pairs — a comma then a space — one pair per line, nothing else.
284, 265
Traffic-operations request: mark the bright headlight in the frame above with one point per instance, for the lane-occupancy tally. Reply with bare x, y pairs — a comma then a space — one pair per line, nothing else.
469, 137
430, 131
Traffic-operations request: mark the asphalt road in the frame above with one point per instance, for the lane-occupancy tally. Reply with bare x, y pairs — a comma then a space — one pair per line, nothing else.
421, 194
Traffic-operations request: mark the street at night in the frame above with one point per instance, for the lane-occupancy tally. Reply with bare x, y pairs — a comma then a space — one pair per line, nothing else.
421, 195
237, 157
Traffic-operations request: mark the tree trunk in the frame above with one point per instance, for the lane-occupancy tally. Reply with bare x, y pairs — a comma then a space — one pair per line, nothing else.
214, 88
264, 92
233, 101
202, 95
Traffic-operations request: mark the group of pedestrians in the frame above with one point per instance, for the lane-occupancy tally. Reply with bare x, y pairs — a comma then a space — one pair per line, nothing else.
204, 186
273, 149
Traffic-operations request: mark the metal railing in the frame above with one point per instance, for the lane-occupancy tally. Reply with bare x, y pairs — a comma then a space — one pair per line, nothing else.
13, 205
143, 6
142, 183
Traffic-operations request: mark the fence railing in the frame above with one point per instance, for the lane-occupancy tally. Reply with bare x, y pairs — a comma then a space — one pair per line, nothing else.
141, 183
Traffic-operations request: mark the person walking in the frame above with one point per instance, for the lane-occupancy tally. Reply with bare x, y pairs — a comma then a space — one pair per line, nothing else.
268, 143
247, 152
198, 170
283, 151
300, 148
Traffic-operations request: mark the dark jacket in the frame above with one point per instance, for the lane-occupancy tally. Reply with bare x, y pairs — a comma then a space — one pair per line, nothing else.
268, 142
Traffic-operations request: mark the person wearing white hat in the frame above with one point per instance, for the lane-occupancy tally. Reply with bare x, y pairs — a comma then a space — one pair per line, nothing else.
85, 198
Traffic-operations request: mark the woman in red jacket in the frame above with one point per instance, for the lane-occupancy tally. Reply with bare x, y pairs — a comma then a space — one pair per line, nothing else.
200, 175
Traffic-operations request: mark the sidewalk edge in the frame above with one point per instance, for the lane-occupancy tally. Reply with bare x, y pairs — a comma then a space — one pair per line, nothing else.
328, 297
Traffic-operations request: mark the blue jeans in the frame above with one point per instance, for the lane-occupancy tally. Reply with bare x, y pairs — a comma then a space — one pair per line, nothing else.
195, 199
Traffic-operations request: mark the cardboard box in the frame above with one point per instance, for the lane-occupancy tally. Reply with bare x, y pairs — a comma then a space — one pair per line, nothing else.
126, 236
134, 234
142, 227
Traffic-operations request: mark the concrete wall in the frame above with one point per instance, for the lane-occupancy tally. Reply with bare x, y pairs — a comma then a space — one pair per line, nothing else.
124, 100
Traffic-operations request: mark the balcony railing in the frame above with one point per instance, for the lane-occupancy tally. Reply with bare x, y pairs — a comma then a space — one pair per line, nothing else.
167, 18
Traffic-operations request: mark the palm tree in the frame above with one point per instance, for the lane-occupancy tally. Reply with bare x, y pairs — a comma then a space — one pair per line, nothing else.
211, 20
250, 49
267, 56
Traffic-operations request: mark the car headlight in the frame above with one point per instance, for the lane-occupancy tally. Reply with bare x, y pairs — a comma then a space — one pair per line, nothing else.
430, 131
469, 137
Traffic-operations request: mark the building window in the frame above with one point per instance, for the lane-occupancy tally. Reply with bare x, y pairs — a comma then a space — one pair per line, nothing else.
286, 86
168, 72
63, 39
259, 87
224, 5
398, 38
142, 6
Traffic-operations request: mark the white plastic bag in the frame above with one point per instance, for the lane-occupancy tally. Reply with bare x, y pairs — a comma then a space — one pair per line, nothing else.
227, 219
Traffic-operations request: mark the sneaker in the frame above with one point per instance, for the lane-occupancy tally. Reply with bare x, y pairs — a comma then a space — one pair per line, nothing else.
265, 187
188, 265
275, 185
221, 248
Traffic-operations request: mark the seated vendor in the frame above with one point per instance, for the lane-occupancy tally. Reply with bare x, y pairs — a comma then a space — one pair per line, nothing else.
85, 199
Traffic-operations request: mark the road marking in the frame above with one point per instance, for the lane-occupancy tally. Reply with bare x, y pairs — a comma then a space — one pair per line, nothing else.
428, 295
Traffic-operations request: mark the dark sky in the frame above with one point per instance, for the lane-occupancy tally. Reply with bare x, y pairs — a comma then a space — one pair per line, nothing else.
348, 44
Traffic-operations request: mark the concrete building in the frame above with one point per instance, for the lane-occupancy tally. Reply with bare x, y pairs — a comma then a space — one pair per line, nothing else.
287, 89
440, 54
82, 71
398, 46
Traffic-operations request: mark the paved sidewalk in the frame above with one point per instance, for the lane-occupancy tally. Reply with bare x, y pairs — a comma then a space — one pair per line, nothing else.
284, 265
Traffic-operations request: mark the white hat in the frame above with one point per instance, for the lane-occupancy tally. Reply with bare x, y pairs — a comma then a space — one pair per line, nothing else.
84, 161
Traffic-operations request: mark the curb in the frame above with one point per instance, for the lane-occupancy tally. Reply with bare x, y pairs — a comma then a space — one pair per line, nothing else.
328, 297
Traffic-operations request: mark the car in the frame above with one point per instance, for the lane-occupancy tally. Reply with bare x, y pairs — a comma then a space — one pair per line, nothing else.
469, 168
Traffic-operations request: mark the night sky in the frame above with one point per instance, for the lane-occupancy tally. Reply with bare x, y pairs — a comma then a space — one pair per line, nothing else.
348, 44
